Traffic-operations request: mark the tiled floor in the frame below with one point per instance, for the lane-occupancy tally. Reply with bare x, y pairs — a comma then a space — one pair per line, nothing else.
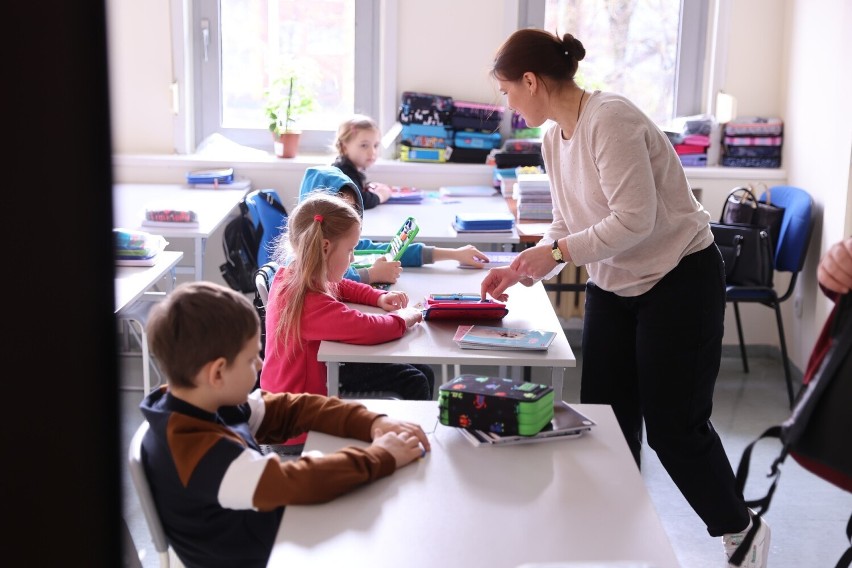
808, 516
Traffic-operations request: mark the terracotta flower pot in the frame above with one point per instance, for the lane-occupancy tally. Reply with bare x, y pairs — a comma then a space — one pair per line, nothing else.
286, 144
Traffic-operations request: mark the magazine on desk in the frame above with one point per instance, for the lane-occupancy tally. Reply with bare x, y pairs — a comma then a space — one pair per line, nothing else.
468, 191
567, 424
495, 259
503, 338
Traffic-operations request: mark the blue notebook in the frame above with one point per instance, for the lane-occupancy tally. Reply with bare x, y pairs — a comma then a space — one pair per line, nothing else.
491, 222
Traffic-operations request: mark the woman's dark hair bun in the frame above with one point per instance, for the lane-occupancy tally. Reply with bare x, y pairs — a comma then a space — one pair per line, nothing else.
573, 47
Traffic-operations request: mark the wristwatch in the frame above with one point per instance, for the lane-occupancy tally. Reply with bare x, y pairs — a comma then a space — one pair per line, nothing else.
556, 253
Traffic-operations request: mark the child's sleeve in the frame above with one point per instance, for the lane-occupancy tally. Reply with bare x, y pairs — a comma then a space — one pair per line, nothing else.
413, 255
355, 274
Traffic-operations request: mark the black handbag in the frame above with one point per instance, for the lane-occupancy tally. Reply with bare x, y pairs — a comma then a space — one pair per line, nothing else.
742, 207
747, 253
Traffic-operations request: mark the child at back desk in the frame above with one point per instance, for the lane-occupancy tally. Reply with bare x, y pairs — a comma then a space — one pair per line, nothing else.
306, 306
219, 498
357, 143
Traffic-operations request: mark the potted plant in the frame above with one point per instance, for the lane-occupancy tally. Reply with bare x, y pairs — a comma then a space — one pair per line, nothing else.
289, 97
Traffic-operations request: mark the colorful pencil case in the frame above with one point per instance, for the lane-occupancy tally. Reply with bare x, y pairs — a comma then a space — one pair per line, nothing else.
496, 404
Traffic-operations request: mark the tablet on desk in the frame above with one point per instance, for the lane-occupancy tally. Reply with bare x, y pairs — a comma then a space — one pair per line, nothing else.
395, 249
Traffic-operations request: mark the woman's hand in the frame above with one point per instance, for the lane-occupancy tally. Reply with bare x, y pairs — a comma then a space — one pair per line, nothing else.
384, 270
393, 300
534, 263
496, 282
835, 267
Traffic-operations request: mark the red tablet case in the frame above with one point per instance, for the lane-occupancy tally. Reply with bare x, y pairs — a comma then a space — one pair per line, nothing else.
488, 310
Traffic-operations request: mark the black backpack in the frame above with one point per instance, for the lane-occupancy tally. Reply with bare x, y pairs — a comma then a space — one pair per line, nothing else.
817, 432
243, 237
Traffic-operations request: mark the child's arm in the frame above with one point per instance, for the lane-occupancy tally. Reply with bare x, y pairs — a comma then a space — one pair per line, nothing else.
380, 189
468, 255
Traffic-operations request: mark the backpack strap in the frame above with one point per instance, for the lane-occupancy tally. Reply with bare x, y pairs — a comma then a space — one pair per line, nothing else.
271, 198
846, 560
761, 505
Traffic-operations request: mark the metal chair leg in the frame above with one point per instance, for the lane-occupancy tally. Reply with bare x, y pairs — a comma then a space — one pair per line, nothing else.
784, 356
740, 334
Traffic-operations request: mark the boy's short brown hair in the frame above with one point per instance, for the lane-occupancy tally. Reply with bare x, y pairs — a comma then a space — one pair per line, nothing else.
197, 323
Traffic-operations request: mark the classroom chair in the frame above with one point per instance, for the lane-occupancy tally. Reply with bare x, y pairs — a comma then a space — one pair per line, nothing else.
135, 319
790, 252
168, 557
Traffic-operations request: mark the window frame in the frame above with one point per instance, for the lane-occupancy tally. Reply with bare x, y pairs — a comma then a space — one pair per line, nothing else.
206, 76
689, 78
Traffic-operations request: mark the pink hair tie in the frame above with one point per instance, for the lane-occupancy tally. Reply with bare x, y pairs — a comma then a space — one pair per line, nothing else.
318, 218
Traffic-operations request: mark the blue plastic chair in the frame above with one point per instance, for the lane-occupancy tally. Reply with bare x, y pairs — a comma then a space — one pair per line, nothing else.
790, 252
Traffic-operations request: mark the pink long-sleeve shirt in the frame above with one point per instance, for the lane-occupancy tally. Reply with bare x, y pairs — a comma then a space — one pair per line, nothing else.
293, 366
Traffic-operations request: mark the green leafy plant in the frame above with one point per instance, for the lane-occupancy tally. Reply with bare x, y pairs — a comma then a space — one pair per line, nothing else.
290, 96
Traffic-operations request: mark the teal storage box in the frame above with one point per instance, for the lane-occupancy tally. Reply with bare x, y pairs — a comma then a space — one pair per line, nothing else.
494, 404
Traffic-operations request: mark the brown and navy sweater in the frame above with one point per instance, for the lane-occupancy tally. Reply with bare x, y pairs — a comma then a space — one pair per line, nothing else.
220, 499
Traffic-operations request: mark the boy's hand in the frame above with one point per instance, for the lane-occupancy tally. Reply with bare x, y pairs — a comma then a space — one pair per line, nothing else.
404, 448
385, 424
393, 300
384, 270
469, 255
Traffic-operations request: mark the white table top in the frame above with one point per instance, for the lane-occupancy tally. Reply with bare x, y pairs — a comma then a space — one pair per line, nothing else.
432, 341
462, 506
435, 217
212, 206
131, 282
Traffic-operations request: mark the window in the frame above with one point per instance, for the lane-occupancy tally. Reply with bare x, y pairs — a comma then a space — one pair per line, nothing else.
651, 51
238, 45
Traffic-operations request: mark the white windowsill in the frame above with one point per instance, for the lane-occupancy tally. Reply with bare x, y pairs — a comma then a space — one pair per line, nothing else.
299, 163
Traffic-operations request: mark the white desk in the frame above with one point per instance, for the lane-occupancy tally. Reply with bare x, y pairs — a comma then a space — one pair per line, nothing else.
463, 507
131, 282
213, 207
435, 219
431, 342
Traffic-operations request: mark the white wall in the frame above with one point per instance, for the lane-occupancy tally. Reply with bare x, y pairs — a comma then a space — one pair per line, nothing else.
787, 58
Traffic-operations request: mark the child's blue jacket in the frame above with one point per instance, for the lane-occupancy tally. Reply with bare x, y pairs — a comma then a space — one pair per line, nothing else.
330, 179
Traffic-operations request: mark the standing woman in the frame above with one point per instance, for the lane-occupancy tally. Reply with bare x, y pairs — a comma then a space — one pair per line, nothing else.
655, 299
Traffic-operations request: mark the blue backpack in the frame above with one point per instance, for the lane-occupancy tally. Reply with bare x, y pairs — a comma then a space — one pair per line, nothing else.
247, 241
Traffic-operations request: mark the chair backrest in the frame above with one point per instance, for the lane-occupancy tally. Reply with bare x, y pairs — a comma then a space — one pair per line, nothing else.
262, 281
269, 215
796, 226
146, 499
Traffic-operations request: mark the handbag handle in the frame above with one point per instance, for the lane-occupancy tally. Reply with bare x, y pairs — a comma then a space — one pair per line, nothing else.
748, 196
766, 190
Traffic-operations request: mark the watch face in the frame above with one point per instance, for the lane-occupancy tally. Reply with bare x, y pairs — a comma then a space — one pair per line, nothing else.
557, 254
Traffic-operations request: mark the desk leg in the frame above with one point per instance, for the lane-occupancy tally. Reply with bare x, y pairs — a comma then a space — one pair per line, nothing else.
557, 379
200, 244
333, 377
